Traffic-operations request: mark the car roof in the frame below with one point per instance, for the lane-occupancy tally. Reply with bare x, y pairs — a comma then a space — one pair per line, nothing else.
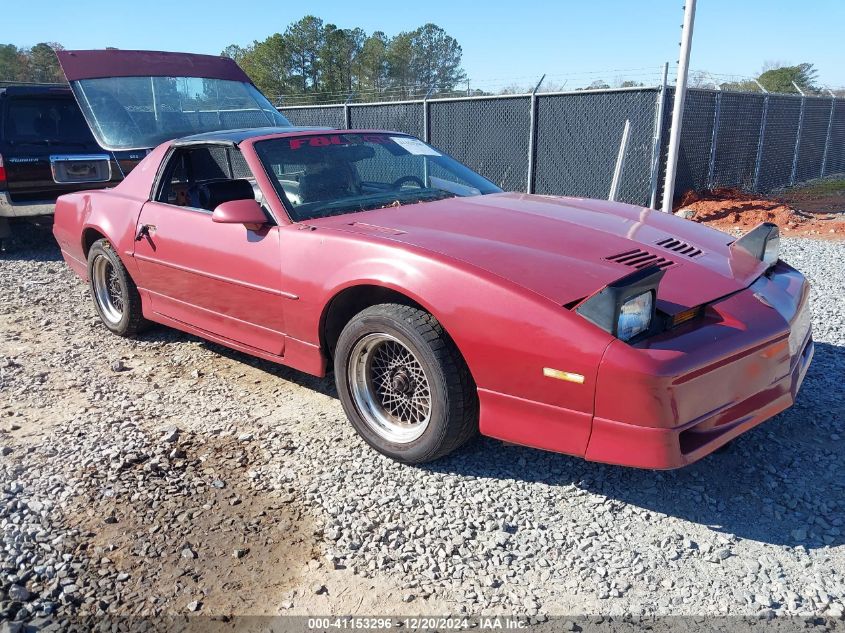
235, 137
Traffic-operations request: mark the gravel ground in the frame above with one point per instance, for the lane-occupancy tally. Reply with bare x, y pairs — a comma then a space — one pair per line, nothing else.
166, 475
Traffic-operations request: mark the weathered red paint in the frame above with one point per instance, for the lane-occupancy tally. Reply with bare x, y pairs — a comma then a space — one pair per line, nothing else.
496, 271
95, 64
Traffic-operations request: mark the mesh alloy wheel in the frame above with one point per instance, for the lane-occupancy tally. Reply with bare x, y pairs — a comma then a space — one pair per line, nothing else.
108, 289
390, 388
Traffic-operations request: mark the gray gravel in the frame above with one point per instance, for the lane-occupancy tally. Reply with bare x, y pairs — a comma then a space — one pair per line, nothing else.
95, 429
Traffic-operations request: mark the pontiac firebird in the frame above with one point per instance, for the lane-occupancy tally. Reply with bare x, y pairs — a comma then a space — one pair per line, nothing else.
444, 306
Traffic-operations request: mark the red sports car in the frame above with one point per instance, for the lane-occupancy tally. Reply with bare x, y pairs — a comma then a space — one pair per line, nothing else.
445, 306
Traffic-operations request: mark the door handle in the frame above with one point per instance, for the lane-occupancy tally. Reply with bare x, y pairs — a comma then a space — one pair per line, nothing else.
144, 231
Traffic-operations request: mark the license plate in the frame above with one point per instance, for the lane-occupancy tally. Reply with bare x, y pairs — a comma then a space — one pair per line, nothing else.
76, 168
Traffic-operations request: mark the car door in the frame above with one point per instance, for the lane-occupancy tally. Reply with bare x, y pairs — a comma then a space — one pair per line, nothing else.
221, 278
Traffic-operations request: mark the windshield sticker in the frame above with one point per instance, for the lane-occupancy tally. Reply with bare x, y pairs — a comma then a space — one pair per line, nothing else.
414, 146
336, 139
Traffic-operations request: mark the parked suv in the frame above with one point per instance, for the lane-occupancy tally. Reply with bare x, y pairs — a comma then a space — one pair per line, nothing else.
46, 150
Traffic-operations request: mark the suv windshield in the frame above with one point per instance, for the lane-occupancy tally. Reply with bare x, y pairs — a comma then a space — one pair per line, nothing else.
333, 174
142, 112
46, 121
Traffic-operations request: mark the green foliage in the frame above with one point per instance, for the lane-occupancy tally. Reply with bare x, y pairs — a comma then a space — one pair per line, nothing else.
36, 64
323, 62
780, 79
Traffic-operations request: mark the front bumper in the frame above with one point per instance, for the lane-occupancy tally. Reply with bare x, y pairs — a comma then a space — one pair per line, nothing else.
10, 209
675, 399
628, 444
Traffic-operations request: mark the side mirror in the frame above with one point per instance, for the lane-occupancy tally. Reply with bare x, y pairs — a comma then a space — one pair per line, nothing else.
246, 212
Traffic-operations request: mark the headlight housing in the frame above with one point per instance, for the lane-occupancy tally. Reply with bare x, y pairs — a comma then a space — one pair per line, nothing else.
762, 242
635, 316
625, 308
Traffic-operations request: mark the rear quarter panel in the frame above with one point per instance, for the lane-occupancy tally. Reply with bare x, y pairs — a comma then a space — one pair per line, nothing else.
112, 213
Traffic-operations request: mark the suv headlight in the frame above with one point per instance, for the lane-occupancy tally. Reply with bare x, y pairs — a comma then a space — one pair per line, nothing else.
626, 307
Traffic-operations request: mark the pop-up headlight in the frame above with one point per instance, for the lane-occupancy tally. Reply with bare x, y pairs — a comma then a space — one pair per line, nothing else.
762, 242
626, 307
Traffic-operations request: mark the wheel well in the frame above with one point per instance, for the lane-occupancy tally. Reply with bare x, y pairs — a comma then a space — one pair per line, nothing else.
349, 302
89, 236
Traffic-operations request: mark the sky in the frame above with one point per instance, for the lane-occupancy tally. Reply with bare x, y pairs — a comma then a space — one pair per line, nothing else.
504, 43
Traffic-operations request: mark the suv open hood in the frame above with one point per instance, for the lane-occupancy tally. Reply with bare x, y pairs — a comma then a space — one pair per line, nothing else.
135, 100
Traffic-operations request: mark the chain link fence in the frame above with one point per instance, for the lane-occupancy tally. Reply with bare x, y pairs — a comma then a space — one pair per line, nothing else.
568, 143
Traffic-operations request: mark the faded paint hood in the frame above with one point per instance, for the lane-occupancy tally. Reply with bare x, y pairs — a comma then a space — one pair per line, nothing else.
558, 247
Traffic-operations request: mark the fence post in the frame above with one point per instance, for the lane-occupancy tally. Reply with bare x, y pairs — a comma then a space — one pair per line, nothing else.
657, 141
426, 122
714, 138
678, 107
829, 130
613, 194
347, 111
794, 173
763, 118
532, 136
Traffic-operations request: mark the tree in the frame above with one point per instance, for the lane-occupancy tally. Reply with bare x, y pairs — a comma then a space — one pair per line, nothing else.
12, 63
372, 67
780, 79
305, 41
436, 58
43, 64
341, 48
311, 58
400, 56
269, 65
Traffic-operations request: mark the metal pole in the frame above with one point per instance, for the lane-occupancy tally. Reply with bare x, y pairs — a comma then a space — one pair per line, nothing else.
658, 137
347, 114
532, 136
794, 173
829, 130
426, 130
613, 194
678, 107
714, 138
763, 119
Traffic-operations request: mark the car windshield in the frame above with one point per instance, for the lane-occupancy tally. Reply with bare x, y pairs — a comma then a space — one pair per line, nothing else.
142, 112
333, 174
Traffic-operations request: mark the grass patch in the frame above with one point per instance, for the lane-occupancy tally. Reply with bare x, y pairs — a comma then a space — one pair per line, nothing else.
820, 187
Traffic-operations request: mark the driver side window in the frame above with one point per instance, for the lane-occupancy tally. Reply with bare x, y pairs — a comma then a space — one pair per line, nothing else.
203, 177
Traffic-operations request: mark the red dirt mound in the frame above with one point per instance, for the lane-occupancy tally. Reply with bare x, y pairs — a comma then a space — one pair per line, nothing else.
732, 210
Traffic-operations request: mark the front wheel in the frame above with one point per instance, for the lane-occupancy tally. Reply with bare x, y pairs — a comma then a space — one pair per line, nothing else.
114, 293
404, 385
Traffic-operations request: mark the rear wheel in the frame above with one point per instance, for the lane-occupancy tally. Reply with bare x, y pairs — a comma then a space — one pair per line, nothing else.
114, 293
404, 385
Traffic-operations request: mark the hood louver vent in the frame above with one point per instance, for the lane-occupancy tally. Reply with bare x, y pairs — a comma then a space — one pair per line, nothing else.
639, 258
679, 247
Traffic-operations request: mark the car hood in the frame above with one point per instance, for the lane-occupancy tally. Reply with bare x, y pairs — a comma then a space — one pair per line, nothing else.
565, 248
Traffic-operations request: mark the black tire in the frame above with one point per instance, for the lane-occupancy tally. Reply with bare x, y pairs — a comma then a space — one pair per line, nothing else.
131, 319
453, 418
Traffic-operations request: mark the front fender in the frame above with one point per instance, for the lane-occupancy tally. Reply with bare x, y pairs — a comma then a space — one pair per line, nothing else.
508, 335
